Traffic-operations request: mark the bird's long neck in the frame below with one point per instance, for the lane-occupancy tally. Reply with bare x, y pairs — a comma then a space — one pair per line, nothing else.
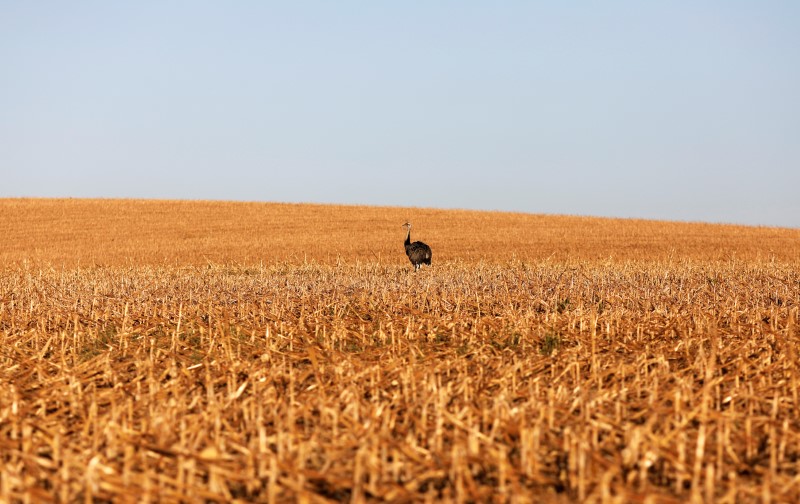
408, 236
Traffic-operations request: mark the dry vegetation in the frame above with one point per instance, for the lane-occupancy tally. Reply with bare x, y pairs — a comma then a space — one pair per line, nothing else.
197, 351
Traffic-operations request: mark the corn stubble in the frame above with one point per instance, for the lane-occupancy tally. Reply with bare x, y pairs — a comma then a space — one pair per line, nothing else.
527, 379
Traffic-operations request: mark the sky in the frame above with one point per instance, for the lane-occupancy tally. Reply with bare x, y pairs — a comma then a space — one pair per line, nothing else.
682, 110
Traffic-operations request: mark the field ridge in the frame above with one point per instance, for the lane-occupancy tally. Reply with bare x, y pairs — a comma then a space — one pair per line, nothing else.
118, 231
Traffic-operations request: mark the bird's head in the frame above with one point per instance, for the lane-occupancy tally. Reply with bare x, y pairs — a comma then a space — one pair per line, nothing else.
407, 224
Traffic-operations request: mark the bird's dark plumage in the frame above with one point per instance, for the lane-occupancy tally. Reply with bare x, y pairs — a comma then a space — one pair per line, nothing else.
418, 253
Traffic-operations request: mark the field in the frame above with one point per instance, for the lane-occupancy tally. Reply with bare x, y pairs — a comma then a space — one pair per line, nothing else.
181, 351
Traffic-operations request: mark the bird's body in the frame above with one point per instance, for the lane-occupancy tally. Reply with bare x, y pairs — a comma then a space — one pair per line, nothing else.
418, 253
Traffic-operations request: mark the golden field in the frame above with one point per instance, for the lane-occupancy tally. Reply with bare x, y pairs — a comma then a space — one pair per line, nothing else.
181, 351
84, 233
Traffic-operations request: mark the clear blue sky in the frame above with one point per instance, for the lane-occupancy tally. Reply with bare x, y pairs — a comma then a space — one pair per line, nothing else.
684, 110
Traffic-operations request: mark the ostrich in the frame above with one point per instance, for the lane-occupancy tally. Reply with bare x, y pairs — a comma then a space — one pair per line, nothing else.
418, 253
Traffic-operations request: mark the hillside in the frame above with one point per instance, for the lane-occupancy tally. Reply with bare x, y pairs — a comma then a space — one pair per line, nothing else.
118, 232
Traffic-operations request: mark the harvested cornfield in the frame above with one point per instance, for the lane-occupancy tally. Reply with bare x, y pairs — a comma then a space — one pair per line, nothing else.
82, 233
500, 376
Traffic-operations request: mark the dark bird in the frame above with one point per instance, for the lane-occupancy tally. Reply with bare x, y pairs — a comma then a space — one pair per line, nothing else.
418, 253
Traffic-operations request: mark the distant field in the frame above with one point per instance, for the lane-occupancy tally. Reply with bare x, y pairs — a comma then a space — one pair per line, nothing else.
207, 351
123, 232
